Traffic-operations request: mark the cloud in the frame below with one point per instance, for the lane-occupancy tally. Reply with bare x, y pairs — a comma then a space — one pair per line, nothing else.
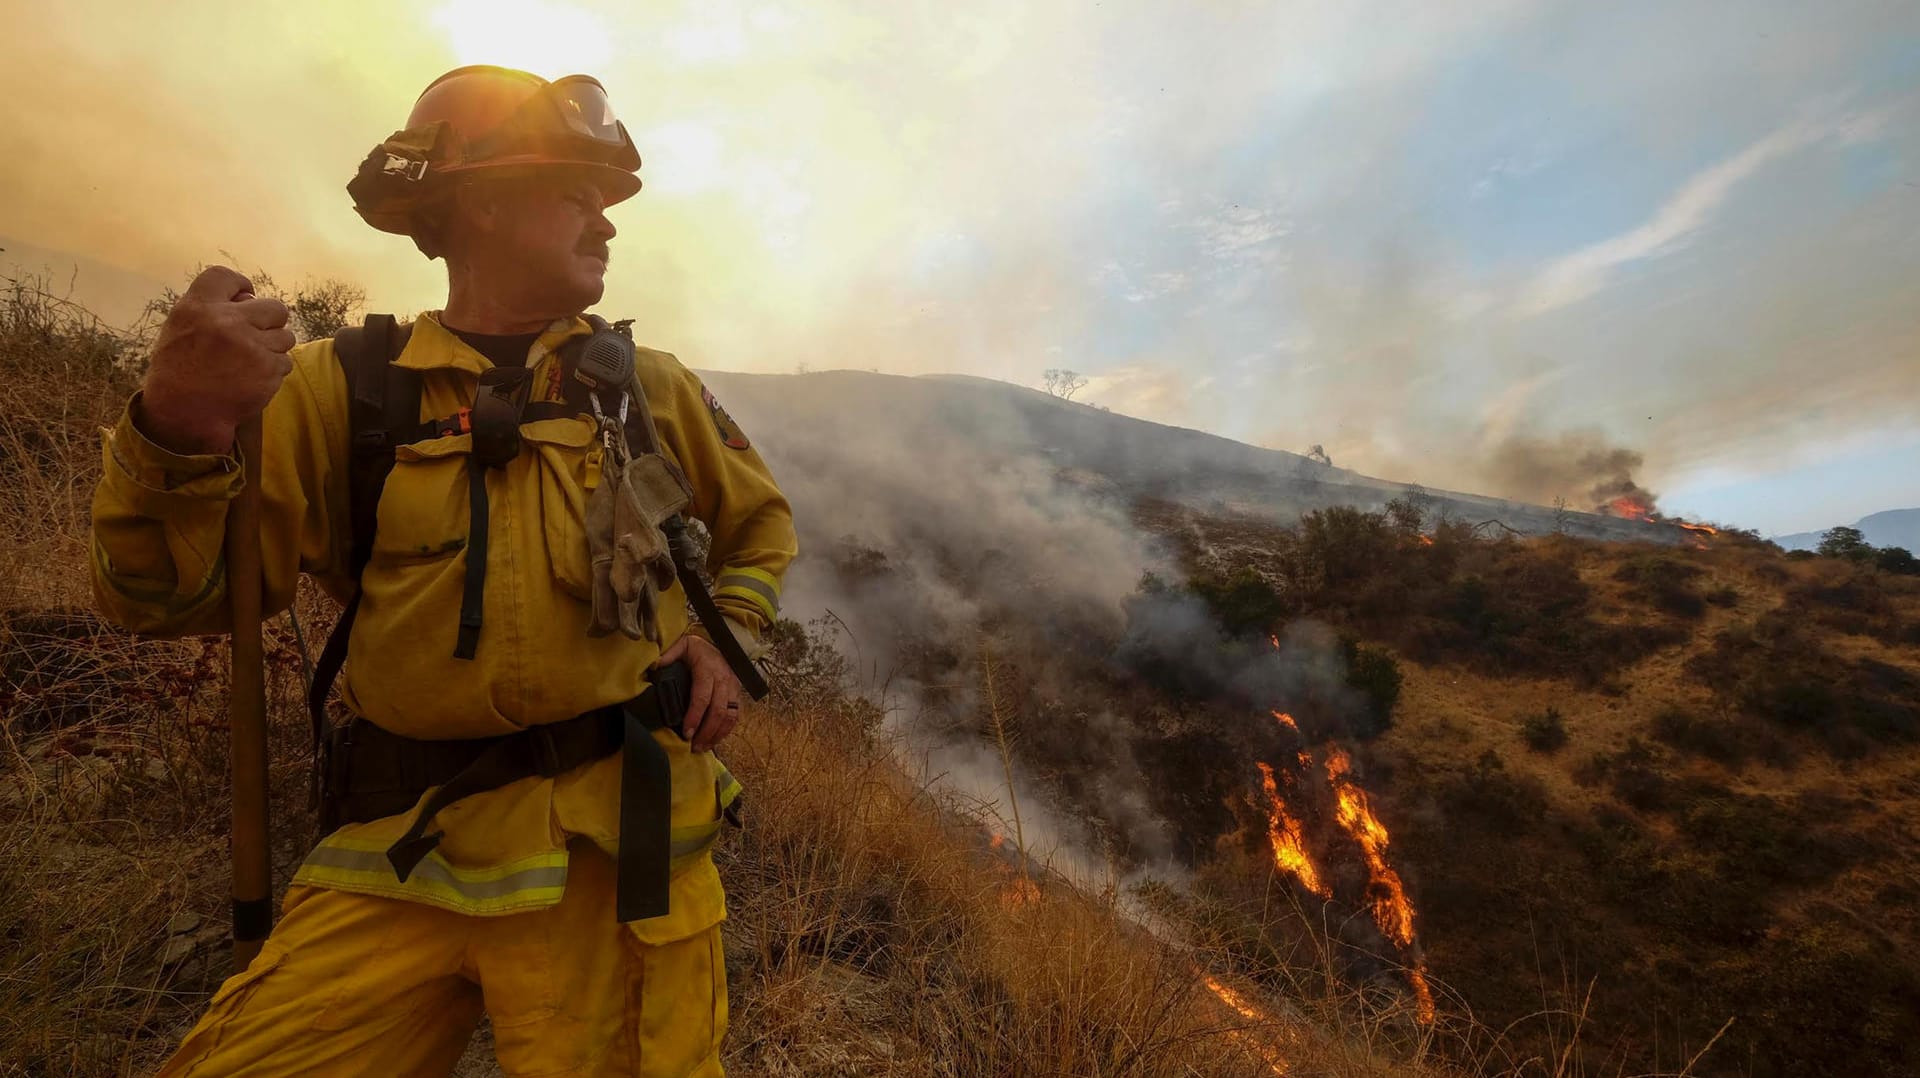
1573, 277
1240, 233
1138, 286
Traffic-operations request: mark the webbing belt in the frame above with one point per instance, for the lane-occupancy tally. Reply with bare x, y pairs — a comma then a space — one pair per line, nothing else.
374, 773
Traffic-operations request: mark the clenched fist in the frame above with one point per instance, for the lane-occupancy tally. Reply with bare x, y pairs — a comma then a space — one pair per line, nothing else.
220, 356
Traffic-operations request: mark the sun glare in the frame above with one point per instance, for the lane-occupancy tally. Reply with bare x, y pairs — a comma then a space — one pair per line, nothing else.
686, 158
545, 38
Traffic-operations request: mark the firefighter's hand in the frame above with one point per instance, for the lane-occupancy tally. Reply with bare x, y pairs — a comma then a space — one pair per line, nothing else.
716, 691
220, 356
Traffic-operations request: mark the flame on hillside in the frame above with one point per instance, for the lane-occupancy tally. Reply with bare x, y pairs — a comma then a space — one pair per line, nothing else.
1239, 1005
1701, 532
1640, 507
1288, 838
1391, 910
1386, 893
1021, 892
1631, 507
1422, 992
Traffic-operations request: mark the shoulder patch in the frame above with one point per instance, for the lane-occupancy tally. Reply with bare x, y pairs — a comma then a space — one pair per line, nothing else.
731, 435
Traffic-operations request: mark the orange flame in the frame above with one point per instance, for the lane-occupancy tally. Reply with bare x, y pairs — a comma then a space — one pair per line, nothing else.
1422, 993
1251, 1013
1286, 720
1426, 540
1631, 507
1021, 892
1288, 838
998, 840
1391, 910
1274, 639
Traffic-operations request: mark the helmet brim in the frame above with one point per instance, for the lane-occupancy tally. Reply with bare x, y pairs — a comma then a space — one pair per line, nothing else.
616, 185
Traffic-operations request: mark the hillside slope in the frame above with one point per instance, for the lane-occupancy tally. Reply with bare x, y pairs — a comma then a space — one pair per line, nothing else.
1127, 457
1715, 831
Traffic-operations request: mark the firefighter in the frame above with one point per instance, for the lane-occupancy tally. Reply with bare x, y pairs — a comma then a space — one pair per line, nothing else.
517, 817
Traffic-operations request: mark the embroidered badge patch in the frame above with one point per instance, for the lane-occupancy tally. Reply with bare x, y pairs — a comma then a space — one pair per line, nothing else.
731, 435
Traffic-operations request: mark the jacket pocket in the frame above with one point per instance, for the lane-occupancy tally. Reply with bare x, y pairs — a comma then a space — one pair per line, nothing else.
561, 448
423, 507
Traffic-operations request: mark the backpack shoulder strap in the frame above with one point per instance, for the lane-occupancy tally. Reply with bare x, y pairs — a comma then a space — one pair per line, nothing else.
382, 399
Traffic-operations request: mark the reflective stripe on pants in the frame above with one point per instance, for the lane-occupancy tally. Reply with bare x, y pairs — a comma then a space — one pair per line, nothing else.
357, 984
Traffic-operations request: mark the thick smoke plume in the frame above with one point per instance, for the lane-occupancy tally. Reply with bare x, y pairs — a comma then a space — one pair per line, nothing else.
934, 526
1580, 467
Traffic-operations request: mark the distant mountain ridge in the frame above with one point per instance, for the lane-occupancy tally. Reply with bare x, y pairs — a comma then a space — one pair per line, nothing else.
1894, 527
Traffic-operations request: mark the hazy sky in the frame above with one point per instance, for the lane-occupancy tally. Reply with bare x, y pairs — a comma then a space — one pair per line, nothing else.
1415, 233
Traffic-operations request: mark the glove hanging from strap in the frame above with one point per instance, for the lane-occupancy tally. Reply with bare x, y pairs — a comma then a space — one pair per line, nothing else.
632, 560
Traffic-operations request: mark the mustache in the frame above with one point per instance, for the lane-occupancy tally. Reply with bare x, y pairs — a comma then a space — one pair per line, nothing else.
599, 251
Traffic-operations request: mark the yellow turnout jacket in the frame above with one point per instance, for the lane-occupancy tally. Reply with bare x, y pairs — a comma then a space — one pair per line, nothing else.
158, 521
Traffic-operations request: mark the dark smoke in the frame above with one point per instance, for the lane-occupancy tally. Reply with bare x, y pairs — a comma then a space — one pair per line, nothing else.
1581, 467
935, 522
1174, 641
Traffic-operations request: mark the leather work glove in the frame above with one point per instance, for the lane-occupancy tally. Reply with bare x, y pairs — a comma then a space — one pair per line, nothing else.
632, 562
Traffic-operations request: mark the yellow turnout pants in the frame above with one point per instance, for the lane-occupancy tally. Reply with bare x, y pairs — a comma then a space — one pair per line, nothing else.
352, 984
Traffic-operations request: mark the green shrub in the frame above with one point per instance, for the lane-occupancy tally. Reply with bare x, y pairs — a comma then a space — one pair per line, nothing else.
1376, 676
1407, 513
1845, 543
1895, 559
1830, 990
1716, 739
1242, 601
1772, 669
1665, 583
1636, 777
1545, 731
1511, 803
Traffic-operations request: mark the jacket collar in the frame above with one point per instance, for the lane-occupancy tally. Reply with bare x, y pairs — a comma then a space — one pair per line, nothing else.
434, 347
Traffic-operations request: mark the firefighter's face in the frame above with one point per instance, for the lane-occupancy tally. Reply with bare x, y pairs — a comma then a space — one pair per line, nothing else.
544, 241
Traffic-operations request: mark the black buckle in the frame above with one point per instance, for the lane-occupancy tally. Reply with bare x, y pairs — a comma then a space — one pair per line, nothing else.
546, 754
495, 416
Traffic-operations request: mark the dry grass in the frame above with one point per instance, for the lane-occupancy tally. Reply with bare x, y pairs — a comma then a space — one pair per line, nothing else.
875, 931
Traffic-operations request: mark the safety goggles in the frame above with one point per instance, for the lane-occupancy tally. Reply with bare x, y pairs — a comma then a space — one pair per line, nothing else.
572, 112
